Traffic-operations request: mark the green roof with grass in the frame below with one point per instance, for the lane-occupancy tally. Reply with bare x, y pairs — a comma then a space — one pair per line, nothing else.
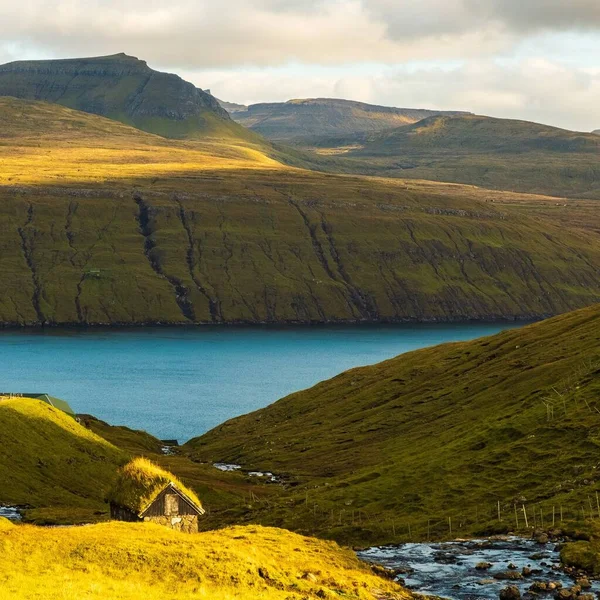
140, 482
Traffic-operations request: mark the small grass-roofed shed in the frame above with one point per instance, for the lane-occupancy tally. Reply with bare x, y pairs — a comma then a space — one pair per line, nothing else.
145, 492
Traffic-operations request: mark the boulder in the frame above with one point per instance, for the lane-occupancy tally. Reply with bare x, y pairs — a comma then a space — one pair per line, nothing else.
483, 566
584, 583
563, 595
542, 538
508, 575
510, 593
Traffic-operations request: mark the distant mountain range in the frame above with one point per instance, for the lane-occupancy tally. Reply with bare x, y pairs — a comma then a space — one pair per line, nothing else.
596, 132
303, 120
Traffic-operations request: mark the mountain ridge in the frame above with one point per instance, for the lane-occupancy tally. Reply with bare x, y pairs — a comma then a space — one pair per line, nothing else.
303, 119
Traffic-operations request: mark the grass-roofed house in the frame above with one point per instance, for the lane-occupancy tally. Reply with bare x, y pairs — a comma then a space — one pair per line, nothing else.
145, 492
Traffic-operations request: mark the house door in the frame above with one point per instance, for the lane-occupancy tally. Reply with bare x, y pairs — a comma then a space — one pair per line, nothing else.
171, 505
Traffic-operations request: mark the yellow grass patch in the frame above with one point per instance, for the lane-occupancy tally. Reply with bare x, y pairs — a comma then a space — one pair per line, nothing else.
125, 561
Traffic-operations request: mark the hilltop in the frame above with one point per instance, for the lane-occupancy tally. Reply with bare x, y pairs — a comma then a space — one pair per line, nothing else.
304, 121
459, 431
493, 153
125, 89
51, 463
125, 561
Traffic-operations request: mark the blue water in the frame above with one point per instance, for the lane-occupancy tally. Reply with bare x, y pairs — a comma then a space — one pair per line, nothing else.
178, 382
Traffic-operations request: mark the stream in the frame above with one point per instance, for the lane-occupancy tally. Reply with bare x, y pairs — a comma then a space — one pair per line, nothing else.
449, 569
10, 512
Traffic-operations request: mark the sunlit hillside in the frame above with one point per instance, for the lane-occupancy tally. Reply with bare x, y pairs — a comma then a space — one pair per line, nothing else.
47, 144
124, 561
50, 462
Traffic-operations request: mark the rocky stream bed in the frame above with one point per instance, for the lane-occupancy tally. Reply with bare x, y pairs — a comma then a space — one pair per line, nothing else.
507, 568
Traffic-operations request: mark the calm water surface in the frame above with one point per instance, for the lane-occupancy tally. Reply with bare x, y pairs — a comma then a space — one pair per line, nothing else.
179, 383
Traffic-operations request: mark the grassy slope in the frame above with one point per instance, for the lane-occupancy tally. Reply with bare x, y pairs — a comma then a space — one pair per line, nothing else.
492, 153
443, 432
216, 231
125, 561
50, 462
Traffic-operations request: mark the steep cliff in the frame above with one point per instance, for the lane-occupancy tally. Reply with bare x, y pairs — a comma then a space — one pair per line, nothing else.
123, 88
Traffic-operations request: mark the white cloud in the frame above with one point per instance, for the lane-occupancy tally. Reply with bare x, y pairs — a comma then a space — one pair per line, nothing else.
204, 33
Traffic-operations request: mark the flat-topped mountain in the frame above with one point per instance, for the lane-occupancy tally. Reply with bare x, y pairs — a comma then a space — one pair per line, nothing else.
123, 88
596, 132
301, 120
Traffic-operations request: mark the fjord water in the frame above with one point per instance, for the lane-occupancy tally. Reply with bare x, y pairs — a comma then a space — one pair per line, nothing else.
180, 382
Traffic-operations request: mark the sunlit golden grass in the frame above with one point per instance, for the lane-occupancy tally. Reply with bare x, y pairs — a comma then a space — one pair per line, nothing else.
44, 144
124, 561
31, 166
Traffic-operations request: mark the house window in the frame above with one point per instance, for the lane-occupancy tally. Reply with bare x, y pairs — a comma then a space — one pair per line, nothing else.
171, 504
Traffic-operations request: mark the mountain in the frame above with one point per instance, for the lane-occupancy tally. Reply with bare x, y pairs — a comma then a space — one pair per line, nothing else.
123, 88
52, 464
484, 151
596, 132
127, 561
303, 121
232, 107
105, 224
460, 431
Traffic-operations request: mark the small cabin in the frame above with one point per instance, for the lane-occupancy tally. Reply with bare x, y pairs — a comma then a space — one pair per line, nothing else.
145, 492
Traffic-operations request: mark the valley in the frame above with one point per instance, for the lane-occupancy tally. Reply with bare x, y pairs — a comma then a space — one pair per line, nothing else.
172, 270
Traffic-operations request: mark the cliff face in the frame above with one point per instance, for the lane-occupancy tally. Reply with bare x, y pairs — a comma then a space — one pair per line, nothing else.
120, 87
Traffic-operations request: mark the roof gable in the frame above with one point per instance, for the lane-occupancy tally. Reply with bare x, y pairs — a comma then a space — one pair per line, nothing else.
170, 489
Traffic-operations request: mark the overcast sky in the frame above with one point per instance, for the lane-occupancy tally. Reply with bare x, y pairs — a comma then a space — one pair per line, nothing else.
532, 59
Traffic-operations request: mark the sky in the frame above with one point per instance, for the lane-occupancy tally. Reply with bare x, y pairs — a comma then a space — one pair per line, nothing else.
537, 60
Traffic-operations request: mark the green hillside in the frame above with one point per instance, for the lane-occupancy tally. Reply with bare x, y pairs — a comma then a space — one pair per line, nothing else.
305, 121
492, 153
105, 224
123, 88
51, 463
436, 439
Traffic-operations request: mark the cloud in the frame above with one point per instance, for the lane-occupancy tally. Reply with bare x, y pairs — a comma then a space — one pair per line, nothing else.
205, 33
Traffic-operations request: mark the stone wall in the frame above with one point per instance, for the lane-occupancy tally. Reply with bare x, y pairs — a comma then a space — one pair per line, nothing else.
185, 523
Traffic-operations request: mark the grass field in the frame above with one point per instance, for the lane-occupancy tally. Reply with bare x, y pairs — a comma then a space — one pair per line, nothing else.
435, 442
124, 561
